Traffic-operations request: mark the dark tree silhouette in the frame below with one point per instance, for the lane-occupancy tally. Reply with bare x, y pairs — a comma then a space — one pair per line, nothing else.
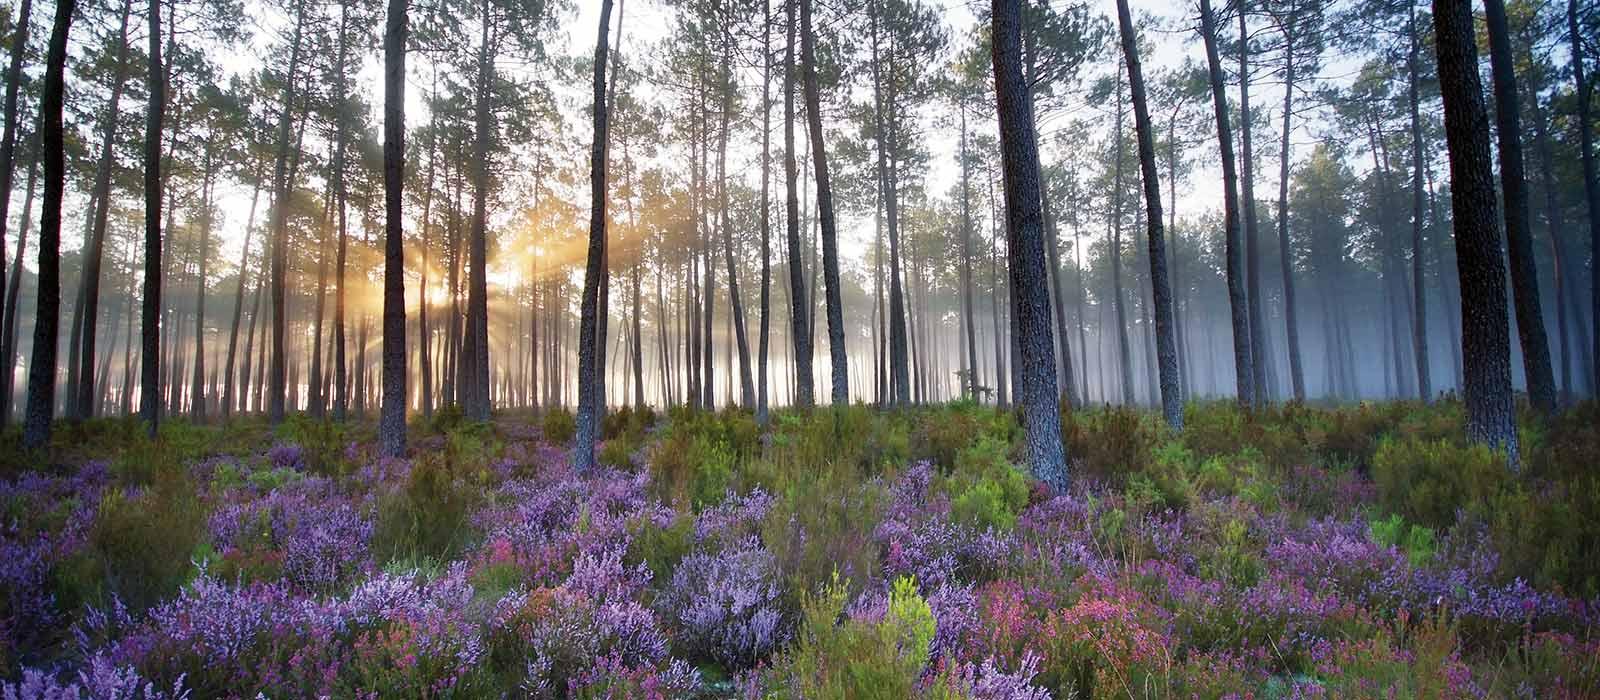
52, 149
392, 416
588, 412
799, 300
1486, 341
8, 152
1591, 172
1519, 230
1036, 394
150, 316
1243, 374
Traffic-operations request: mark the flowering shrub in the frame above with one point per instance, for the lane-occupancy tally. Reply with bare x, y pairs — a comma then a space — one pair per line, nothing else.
1249, 558
726, 605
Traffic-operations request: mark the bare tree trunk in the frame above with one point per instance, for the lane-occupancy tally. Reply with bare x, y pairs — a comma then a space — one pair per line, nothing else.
283, 186
1252, 241
1419, 327
588, 413
197, 389
766, 218
1486, 341
830, 237
1591, 178
1041, 415
1519, 231
341, 392
1291, 309
799, 300
228, 376
392, 418
8, 335
52, 148
969, 317
1244, 374
747, 389
8, 150
1166, 348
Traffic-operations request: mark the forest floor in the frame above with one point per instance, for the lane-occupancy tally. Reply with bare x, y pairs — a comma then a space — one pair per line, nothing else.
1349, 552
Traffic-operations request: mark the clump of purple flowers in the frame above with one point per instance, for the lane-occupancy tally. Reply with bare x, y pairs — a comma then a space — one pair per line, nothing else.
725, 604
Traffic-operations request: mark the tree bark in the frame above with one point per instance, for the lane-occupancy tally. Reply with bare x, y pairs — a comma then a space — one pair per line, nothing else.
1486, 341
766, 219
52, 149
8, 151
799, 301
588, 415
1244, 375
8, 335
1291, 309
392, 415
1161, 290
283, 186
830, 237
1419, 327
1519, 231
197, 389
1247, 210
1591, 171
1041, 415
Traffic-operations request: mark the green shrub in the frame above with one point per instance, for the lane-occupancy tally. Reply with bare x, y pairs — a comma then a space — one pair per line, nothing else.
984, 488
660, 548
1416, 541
822, 525
426, 517
321, 442
139, 548
942, 433
1427, 482
559, 426
691, 468
856, 659
1111, 443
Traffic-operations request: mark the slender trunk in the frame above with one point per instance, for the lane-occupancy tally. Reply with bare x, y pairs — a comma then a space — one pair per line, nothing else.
1519, 233
283, 185
1291, 310
830, 237
1591, 178
969, 317
392, 417
588, 414
1124, 358
766, 219
1166, 349
8, 335
52, 148
197, 389
475, 348
799, 301
1247, 210
1419, 328
238, 305
8, 150
1244, 374
341, 392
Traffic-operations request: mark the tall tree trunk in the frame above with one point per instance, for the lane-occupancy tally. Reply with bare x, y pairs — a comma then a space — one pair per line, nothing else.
283, 186
1591, 172
747, 389
1247, 210
1244, 375
1519, 231
899, 372
1120, 298
588, 414
1166, 348
1291, 309
969, 316
799, 300
150, 330
341, 392
8, 334
197, 389
766, 219
392, 418
228, 376
8, 151
1486, 341
52, 149
1419, 327
1041, 414
475, 379
830, 236
85, 309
